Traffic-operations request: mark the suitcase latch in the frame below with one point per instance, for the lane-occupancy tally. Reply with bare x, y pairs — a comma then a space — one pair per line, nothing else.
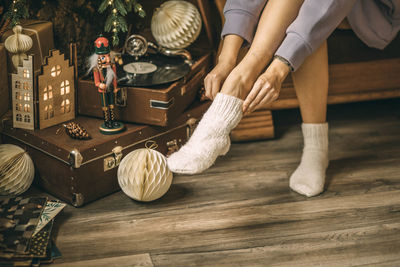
172, 146
114, 160
75, 158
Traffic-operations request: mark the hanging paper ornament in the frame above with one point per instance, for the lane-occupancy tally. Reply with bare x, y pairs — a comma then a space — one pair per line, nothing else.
143, 175
16, 170
176, 24
18, 44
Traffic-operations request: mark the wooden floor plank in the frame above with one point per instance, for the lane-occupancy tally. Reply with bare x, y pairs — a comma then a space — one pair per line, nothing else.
241, 211
142, 260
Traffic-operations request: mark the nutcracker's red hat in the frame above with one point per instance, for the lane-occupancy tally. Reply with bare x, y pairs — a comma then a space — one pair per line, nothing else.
101, 45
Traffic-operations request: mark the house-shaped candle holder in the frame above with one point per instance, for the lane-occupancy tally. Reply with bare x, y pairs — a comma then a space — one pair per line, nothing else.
43, 99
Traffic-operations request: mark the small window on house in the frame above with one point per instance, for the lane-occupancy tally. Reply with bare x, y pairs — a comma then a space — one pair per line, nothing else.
62, 88
67, 106
46, 112
50, 92
17, 85
51, 111
47, 92
27, 97
55, 71
67, 87
27, 118
45, 95
18, 96
62, 110
18, 117
27, 108
26, 73
18, 107
26, 86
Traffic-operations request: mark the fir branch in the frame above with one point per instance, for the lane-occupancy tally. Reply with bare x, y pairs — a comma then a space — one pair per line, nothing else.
116, 21
103, 6
18, 10
120, 7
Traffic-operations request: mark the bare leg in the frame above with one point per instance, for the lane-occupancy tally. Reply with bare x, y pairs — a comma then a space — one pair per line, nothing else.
311, 83
276, 17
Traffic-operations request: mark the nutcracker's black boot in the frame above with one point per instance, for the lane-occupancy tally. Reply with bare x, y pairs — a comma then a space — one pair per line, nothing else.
110, 126
106, 115
112, 117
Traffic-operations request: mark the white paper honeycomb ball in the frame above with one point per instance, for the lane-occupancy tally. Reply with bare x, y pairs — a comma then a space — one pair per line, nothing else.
16, 170
143, 175
176, 24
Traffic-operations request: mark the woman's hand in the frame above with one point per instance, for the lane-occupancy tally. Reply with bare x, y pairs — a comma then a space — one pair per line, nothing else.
214, 80
267, 87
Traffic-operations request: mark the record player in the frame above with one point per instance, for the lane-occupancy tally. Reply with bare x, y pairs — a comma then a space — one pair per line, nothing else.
157, 84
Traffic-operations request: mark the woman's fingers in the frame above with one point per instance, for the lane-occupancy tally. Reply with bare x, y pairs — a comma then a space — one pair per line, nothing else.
265, 97
253, 93
268, 99
212, 85
265, 92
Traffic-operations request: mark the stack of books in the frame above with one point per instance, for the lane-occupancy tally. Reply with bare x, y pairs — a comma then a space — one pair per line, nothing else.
26, 225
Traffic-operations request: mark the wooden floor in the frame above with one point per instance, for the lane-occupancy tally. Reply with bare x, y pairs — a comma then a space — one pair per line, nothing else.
241, 212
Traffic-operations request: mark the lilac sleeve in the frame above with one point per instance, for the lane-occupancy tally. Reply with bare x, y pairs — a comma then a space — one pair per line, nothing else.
315, 22
241, 17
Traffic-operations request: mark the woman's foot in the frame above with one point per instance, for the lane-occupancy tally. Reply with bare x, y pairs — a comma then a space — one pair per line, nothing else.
309, 177
211, 137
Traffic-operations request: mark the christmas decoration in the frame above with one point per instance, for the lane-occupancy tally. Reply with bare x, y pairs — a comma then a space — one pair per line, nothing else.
18, 10
16, 170
18, 44
143, 175
176, 24
41, 100
116, 21
76, 131
105, 78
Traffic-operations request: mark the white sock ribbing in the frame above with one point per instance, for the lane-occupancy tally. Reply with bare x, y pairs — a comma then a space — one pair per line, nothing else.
309, 177
211, 137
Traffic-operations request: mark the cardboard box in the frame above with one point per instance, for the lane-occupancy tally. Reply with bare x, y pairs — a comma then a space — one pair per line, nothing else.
4, 89
41, 33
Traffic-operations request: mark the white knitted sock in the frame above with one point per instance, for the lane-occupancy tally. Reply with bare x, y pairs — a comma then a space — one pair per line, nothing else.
309, 177
210, 138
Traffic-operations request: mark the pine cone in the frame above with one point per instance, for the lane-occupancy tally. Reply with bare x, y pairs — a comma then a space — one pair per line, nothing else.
76, 131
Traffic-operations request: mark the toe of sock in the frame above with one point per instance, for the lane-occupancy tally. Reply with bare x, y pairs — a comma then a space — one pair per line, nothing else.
306, 190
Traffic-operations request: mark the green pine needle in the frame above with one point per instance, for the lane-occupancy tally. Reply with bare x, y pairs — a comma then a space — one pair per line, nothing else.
122, 7
21, 12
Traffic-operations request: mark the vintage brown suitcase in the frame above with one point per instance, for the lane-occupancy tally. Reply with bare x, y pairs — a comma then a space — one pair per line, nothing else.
82, 171
160, 105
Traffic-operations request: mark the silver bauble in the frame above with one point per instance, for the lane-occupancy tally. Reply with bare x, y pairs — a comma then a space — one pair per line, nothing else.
176, 24
143, 175
16, 170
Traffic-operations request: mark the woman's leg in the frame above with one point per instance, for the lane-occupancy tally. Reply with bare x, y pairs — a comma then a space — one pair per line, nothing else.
275, 18
211, 137
311, 84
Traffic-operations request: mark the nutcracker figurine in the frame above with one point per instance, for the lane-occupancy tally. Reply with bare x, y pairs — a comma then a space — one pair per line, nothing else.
105, 79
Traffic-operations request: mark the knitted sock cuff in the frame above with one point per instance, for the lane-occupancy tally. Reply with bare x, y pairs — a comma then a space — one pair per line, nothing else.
315, 135
226, 109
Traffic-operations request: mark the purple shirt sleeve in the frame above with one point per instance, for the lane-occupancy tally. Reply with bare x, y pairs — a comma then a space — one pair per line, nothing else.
315, 22
241, 18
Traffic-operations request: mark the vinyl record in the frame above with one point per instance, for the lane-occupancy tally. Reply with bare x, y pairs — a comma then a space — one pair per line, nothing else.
150, 70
